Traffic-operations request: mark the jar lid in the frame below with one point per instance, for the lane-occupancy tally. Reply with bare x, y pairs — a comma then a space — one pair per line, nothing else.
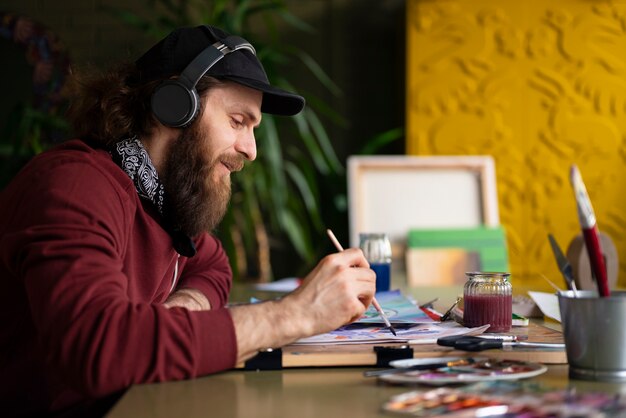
487, 275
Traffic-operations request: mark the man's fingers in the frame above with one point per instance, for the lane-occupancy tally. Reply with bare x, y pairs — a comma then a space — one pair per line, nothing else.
366, 299
353, 257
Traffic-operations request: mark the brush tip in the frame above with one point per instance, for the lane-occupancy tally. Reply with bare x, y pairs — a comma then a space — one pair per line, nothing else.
574, 174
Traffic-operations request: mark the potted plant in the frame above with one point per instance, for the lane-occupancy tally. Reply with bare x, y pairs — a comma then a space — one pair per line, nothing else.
37, 65
277, 198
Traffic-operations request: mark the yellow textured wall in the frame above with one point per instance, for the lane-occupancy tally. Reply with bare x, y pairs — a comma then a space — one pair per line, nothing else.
539, 85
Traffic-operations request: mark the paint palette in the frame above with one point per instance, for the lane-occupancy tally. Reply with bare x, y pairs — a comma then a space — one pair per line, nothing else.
482, 370
505, 401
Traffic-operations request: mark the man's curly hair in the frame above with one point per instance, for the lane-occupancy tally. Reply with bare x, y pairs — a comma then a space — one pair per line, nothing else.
107, 107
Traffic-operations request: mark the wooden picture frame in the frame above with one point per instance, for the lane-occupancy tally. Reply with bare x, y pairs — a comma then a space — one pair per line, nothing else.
396, 193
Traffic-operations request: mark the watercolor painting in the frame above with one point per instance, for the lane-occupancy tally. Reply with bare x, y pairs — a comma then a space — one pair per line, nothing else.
398, 308
359, 333
412, 325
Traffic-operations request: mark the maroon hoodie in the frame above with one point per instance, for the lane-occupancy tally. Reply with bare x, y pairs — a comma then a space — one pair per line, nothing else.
85, 266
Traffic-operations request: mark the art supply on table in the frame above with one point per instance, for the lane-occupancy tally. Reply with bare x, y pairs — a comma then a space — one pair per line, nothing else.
587, 219
564, 266
429, 304
476, 343
578, 257
354, 334
594, 330
482, 369
377, 250
448, 313
398, 308
518, 320
337, 245
359, 345
504, 337
443, 402
506, 399
548, 303
485, 249
487, 299
449, 341
524, 305
423, 364
551, 283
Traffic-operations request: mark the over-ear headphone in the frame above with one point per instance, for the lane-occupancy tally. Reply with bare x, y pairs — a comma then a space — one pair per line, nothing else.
175, 102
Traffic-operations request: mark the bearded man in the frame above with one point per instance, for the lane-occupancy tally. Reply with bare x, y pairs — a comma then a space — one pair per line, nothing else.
110, 274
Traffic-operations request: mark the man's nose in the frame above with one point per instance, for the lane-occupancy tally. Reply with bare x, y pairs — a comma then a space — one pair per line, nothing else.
246, 145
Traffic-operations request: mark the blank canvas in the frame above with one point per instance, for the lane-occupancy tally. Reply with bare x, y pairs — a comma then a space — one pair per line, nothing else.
394, 194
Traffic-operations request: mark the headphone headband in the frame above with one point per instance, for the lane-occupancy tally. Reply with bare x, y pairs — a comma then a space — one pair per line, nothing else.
210, 56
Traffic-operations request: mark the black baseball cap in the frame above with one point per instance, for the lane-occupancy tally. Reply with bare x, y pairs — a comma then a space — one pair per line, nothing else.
173, 53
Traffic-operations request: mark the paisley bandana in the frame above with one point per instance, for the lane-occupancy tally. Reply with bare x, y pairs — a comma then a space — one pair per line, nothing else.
133, 158
135, 161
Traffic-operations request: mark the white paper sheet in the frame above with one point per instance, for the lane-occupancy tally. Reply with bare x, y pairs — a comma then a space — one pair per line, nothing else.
548, 303
363, 334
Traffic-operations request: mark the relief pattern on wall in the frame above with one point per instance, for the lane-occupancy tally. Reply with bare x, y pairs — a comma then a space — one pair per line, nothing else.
539, 85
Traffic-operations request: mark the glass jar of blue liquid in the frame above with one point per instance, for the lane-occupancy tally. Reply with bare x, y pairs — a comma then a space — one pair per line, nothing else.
377, 250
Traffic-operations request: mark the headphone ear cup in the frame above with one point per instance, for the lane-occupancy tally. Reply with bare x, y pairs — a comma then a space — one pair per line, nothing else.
174, 104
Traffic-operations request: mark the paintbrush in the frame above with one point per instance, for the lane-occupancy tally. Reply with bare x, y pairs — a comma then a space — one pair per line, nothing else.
374, 301
551, 283
587, 219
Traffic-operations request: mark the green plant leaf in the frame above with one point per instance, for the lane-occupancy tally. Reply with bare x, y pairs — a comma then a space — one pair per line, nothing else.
295, 21
309, 141
315, 68
324, 141
379, 141
307, 191
324, 109
273, 158
297, 235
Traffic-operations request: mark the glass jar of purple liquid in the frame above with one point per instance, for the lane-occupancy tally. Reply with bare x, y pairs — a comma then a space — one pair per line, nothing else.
487, 299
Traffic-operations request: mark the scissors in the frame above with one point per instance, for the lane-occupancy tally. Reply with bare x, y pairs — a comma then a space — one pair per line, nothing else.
473, 343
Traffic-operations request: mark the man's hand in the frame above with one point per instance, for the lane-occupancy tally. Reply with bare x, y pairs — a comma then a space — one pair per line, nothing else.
337, 291
191, 299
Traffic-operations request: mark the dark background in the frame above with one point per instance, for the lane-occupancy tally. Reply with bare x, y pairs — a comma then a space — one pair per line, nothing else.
360, 44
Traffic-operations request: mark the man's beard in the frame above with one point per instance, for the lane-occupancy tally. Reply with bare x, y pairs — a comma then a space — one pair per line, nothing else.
194, 203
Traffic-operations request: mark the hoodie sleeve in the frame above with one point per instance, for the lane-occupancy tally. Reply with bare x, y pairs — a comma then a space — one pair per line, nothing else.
68, 255
208, 271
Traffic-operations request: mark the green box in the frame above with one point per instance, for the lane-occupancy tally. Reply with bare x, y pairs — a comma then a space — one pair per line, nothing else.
489, 243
